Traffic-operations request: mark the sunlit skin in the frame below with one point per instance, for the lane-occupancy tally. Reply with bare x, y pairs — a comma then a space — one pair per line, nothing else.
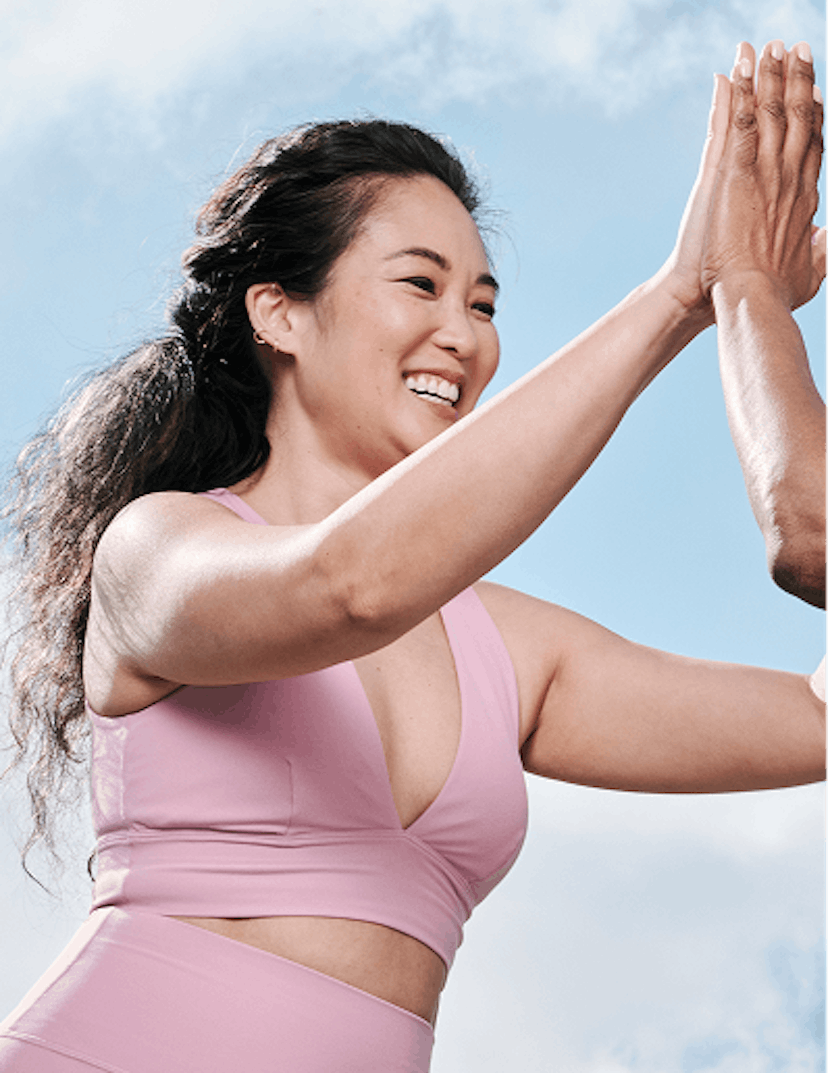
384, 504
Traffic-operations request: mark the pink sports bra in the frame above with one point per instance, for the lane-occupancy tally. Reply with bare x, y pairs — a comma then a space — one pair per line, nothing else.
273, 798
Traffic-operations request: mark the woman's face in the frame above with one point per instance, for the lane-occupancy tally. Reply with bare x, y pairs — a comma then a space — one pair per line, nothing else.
400, 343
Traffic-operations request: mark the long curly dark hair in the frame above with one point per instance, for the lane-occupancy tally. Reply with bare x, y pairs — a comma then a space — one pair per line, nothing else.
186, 411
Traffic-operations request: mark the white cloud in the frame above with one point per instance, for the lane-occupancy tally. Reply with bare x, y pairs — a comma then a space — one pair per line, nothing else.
641, 935
744, 827
141, 56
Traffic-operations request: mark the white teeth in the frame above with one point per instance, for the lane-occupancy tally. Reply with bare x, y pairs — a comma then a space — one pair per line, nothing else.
435, 386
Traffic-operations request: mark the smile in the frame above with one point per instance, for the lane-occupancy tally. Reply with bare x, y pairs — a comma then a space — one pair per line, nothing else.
433, 387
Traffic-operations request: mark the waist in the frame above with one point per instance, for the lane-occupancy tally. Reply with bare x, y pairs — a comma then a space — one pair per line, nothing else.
376, 959
381, 878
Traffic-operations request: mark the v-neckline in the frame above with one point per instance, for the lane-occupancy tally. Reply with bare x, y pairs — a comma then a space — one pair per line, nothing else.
378, 737
258, 519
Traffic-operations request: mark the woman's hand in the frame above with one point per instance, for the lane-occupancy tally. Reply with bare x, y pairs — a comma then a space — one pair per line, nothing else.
681, 274
766, 194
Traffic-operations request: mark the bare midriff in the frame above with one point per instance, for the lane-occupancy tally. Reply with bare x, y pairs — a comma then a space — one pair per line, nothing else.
384, 962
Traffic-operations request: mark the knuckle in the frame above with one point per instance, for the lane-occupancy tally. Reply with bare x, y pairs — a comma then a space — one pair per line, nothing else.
745, 121
803, 70
775, 109
802, 111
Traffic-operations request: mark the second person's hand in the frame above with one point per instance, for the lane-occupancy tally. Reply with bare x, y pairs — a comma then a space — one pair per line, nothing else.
766, 191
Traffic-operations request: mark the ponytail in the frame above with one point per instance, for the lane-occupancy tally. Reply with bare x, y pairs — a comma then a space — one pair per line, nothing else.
155, 420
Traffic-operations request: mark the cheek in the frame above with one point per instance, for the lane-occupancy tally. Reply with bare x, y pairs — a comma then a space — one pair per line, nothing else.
492, 355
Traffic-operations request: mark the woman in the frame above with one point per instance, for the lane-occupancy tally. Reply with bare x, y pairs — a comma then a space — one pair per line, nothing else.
310, 718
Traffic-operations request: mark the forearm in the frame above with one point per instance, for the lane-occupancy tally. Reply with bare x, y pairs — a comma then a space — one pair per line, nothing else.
445, 516
238, 603
777, 420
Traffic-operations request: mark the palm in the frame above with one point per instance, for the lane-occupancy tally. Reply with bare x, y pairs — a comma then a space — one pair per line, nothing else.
684, 266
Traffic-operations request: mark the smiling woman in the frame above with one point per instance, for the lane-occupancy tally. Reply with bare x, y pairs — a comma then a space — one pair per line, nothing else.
252, 554
399, 344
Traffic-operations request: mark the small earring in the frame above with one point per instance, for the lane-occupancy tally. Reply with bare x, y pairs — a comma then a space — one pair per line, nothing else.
259, 338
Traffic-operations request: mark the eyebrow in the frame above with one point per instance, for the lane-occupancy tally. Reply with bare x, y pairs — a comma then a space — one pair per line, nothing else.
485, 278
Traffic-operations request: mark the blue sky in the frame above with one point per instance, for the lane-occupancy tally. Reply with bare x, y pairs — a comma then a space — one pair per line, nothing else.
636, 933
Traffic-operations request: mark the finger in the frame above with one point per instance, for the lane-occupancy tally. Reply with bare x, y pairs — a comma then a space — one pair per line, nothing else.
714, 145
717, 126
701, 195
770, 104
799, 107
813, 157
743, 130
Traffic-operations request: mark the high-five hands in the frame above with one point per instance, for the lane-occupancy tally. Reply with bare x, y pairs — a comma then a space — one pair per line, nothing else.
766, 187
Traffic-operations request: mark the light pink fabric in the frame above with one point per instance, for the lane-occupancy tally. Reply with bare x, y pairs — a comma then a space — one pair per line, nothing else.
273, 799
139, 993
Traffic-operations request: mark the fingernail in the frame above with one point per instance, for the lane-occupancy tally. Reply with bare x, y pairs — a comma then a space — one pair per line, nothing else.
817, 94
745, 68
804, 52
777, 50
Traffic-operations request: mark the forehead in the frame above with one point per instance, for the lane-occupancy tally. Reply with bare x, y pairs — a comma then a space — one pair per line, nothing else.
421, 213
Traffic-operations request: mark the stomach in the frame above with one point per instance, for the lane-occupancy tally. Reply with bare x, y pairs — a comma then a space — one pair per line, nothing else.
379, 960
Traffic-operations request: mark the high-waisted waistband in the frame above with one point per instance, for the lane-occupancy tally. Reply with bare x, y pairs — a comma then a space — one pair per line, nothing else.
136, 992
385, 877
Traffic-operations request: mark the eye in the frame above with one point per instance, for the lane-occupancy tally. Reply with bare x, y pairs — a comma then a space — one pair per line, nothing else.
423, 282
485, 307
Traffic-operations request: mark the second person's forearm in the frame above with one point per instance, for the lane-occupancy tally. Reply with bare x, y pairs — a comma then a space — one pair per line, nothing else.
777, 420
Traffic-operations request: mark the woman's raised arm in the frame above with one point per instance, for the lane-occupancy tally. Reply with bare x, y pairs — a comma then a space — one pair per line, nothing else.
186, 593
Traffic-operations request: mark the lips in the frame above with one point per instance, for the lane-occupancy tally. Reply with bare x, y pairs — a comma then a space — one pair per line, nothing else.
431, 386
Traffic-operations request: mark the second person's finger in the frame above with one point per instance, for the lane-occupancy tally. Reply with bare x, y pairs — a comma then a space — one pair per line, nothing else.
799, 108
770, 103
743, 132
813, 156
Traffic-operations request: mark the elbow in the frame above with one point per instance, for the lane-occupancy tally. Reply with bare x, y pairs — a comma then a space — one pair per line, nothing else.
361, 609
796, 560
363, 600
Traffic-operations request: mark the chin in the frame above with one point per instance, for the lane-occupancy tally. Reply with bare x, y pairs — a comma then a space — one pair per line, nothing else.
427, 431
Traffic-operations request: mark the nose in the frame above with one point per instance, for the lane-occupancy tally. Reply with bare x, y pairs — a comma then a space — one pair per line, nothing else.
457, 332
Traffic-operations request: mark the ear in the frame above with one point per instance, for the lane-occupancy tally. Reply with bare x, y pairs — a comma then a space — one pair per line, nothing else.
272, 316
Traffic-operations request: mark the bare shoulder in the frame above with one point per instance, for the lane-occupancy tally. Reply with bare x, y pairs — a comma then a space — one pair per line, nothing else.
528, 622
535, 634
185, 592
180, 535
131, 558
545, 641
154, 520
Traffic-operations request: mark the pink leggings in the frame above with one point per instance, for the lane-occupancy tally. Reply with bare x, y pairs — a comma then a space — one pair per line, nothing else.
140, 993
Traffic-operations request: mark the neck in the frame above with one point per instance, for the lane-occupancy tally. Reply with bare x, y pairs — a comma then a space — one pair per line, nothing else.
303, 480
